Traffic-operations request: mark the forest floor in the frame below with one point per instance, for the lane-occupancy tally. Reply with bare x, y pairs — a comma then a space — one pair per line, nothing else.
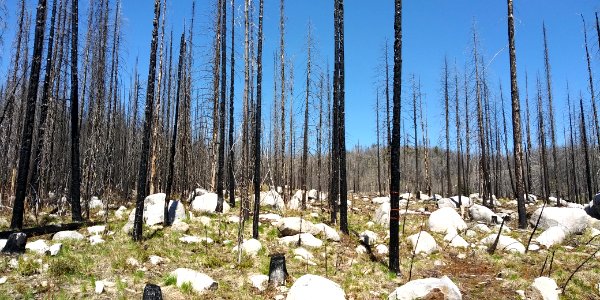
123, 265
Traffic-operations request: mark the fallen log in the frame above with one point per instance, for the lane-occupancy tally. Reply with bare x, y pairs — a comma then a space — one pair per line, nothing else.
48, 229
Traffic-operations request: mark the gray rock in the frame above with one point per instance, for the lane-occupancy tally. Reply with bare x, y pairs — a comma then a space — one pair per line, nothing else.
546, 288
505, 243
39, 247
368, 237
444, 219
554, 235
259, 281
305, 239
572, 220
420, 288
480, 213
423, 242
311, 287
207, 203
200, 282
67, 235
295, 225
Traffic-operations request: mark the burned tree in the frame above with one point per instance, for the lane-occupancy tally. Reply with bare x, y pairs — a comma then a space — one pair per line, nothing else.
394, 257
516, 116
143, 167
28, 122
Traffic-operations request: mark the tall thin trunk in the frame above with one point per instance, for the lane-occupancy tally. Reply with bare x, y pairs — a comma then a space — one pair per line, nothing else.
394, 257
28, 123
143, 167
282, 91
342, 124
43, 111
230, 161
551, 115
516, 115
173, 148
458, 137
305, 138
591, 83
542, 143
378, 153
510, 174
447, 115
257, 125
584, 139
75, 168
221, 171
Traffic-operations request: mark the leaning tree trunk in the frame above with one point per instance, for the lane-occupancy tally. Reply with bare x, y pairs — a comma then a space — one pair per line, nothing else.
28, 123
143, 166
516, 115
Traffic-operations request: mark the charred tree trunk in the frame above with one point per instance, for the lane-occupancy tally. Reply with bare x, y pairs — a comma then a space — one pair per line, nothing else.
516, 116
394, 257
230, 161
142, 188
586, 154
447, 114
221, 163
305, 137
551, 115
173, 148
257, 125
28, 122
75, 168
591, 83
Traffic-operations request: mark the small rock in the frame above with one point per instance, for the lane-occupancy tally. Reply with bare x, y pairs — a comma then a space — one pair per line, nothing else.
95, 230
259, 281
156, 260
370, 224
521, 294
420, 288
534, 247
133, 262
39, 246
99, 287
459, 242
368, 237
200, 282
482, 228
545, 287
461, 256
328, 232
233, 219
423, 242
54, 249
306, 239
471, 233
67, 235
195, 239
360, 249
554, 235
96, 239
439, 263
382, 249
310, 287
303, 253
180, 226
505, 243
250, 247
444, 218
13, 263
3, 280
121, 212
204, 220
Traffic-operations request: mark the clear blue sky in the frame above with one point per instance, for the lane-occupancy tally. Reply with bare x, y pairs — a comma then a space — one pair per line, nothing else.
431, 29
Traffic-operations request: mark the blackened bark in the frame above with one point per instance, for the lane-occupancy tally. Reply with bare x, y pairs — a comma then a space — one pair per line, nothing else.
516, 115
394, 257
257, 125
28, 123
143, 166
75, 188
230, 162
586, 151
43, 112
221, 163
173, 149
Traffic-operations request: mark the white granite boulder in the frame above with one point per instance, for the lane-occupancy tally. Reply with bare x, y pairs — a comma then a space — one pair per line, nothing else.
200, 282
312, 287
420, 288
207, 203
423, 242
572, 220
444, 219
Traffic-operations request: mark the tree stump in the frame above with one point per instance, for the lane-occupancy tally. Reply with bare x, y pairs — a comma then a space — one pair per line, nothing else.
16, 243
277, 270
152, 292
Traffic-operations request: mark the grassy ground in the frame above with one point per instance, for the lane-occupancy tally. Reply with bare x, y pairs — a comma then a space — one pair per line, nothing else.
73, 272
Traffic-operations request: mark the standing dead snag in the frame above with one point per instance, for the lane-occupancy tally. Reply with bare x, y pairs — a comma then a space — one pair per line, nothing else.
28, 123
143, 167
394, 257
221, 163
516, 116
305, 137
75, 168
172, 151
257, 124
230, 161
